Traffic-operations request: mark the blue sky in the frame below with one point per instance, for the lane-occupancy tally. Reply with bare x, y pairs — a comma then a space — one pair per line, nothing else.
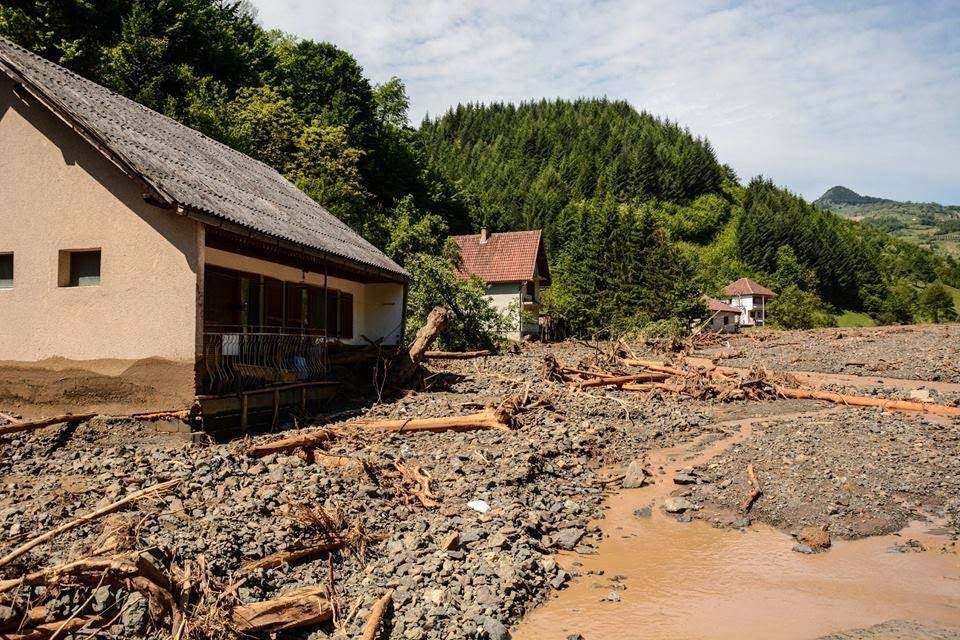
864, 94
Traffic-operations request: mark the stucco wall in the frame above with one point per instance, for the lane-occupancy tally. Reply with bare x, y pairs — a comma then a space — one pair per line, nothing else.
58, 193
377, 308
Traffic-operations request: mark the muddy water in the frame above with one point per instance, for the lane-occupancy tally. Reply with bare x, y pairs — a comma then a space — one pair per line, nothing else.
690, 580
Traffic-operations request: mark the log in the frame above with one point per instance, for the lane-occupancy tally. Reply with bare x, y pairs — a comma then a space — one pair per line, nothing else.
281, 558
619, 381
656, 365
410, 361
456, 355
86, 570
866, 401
303, 439
757, 490
376, 616
182, 414
488, 419
299, 608
155, 490
47, 630
32, 425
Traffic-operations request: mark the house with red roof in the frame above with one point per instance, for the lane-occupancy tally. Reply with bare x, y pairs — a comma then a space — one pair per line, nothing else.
514, 266
723, 317
751, 299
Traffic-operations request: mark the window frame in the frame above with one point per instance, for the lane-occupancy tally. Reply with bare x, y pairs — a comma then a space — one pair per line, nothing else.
12, 279
67, 266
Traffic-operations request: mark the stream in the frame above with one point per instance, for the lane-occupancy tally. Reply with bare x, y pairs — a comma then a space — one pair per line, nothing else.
691, 580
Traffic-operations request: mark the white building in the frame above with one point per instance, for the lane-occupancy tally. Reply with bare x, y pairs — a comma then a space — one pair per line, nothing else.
750, 299
723, 317
514, 266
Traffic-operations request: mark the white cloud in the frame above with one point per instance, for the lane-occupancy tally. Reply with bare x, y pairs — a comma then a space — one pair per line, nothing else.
811, 94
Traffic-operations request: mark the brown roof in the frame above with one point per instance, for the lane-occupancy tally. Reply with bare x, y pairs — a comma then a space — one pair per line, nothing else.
184, 168
715, 305
505, 257
746, 287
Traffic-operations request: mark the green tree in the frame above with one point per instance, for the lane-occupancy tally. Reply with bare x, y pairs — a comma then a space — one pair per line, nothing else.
795, 308
936, 304
413, 232
265, 125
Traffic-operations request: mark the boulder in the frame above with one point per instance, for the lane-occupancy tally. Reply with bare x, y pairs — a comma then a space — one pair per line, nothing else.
634, 477
678, 505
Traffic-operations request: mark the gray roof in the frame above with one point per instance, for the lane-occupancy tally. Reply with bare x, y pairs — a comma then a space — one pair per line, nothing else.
187, 168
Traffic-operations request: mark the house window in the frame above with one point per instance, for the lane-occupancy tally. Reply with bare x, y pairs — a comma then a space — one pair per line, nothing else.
6, 271
530, 289
79, 268
726, 319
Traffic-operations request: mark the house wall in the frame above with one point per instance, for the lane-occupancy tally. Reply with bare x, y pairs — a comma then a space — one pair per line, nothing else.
377, 308
505, 297
58, 193
747, 304
717, 325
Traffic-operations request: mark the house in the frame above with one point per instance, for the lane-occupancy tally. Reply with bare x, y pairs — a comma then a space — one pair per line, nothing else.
723, 318
127, 238
514, 266
751, 299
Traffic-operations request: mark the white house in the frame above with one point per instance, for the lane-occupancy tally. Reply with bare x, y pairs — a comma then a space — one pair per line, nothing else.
750, 299
723, 317
514, 266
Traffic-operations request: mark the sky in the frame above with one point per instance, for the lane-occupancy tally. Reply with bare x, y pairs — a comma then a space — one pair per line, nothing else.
810, 94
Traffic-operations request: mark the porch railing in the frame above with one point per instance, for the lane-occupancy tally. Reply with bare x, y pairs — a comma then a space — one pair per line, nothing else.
244, 361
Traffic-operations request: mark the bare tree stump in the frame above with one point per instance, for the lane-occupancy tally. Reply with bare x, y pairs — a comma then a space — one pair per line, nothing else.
410, 362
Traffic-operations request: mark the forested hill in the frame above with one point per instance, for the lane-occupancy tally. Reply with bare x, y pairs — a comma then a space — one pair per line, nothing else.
928, 224
639, 214
523, 164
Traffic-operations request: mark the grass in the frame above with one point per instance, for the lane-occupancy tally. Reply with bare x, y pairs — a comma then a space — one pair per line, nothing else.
855, 319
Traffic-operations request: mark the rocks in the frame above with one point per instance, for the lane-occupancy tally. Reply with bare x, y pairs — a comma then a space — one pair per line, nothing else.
450, 542
678, 505
568, 538
635, 476
684, 478
494, 629
816, 539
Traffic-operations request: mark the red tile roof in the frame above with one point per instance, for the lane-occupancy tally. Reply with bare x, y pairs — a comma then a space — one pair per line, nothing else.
746, 287
715, 305
505, 257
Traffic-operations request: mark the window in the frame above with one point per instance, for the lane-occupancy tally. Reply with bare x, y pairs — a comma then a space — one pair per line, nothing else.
726, 319
79, 268
6, 271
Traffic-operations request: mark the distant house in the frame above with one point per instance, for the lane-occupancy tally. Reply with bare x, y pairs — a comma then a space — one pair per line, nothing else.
723, 317
514, 266
127, 237
750, 299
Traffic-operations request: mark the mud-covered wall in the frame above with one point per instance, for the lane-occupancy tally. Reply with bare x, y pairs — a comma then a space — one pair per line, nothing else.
58, 193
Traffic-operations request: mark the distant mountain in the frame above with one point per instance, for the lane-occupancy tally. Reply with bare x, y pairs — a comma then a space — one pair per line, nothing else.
928, 224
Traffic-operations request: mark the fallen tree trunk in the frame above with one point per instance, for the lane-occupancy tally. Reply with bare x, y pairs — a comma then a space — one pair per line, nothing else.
303, 439
619, 381
376, 616
155, 490
182, 414
47, 630
488, 419
281, 558
757, 490
456, 355
299, 608
656, 365
32, 425
866, 401
410, 361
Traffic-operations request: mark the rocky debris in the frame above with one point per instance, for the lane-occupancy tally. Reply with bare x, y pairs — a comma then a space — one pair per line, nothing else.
635, 476
678, 505
815, 538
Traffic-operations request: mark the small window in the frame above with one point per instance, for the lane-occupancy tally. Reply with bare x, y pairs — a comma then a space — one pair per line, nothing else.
80, 268
726, 319
6, 271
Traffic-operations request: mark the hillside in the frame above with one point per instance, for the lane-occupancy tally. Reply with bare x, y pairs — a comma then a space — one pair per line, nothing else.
928, 224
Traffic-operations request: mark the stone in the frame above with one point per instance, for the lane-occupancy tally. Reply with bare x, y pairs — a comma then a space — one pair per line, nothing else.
634, 477
134, 614
920, 395
450, 542
479, 505
494, 629
678, 505
817, 539
684, 478
613, 596
568, 538
802, 548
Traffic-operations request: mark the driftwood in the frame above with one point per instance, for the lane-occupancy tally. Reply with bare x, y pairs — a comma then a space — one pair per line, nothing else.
656, 365
619, 381
281, 558
410, 361
416, 481
57, 628
304, 439
32, 425
155, 490
456, 355
299, 608
162, 415
86, 570
866, 401
376, 616
757, 490
487, 419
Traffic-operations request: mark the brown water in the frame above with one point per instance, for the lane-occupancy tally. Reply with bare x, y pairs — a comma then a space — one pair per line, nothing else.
690, 580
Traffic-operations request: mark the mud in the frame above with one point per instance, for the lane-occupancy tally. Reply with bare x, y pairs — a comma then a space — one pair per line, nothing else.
658, 577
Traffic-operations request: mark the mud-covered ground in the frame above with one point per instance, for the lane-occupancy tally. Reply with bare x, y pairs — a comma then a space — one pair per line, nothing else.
856, 472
